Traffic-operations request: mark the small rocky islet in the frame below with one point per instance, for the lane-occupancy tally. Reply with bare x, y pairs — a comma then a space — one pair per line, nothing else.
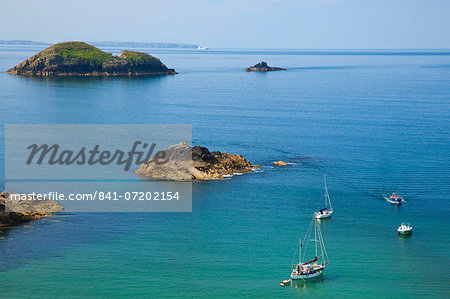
263, 67
186, 163
25, 210
81, 59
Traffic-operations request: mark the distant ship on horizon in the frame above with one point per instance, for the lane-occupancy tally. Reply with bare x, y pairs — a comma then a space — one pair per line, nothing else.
202, 48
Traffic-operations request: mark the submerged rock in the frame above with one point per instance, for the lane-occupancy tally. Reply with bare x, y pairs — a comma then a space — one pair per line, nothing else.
263, 67
81, 59
25, 210
194, 163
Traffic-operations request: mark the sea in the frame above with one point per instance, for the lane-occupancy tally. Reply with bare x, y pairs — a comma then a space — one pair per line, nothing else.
375, 121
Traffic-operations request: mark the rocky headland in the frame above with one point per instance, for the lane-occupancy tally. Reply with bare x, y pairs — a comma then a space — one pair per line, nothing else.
81, 59
187, 163
263, 67
25, 210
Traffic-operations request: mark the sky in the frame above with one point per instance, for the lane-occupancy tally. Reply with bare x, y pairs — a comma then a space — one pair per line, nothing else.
300, 24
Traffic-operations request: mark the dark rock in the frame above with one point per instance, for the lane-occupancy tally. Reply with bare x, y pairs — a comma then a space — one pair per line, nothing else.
195, 163
263, 67
24, 210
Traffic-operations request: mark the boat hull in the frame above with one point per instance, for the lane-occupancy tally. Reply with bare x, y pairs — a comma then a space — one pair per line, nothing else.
307, 276
394, 201
324, 215
397, 200
285, 282
405, 232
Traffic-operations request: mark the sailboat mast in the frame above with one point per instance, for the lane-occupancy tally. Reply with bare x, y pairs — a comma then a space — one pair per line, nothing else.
300, 251
327, 196
315, 234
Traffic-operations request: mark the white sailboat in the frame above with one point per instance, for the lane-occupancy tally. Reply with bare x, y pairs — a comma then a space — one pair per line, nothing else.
316, 266
328, 210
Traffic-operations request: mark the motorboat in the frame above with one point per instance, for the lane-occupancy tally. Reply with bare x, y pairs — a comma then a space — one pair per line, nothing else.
405, 229
395, 199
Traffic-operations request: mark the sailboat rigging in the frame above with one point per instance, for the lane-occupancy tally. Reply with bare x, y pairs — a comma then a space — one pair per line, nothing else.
316, 266
327, 211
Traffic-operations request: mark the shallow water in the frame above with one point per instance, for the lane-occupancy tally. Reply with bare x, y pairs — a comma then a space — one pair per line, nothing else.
374, 121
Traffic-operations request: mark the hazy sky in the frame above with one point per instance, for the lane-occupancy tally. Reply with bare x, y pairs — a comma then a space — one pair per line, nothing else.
234, 23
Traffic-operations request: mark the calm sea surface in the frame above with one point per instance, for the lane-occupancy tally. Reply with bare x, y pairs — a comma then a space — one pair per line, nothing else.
374, 121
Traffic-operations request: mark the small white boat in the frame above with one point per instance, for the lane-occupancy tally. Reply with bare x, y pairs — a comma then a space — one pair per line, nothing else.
328, 210
395, 199
405, 229
285, 282
312, 268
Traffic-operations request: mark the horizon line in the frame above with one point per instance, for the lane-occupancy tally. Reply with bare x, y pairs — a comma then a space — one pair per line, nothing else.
41, 43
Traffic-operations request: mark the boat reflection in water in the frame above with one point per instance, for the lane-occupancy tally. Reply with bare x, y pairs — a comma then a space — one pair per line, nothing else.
307, 284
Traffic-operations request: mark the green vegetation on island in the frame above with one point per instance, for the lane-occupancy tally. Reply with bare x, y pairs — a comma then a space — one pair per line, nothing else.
81, 59
78, 50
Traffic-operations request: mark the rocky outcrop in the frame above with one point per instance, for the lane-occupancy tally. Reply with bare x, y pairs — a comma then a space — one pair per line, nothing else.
194, 163
24, 210
81, 59
263, 67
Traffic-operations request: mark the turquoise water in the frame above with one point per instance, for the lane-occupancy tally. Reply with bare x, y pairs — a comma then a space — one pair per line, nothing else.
374, 121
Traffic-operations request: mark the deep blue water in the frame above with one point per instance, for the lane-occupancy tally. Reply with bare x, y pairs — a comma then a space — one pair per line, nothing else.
374, 121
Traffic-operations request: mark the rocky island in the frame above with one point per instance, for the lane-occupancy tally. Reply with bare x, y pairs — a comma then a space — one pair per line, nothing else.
25, 210
81, 59
263, 67
187, 163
